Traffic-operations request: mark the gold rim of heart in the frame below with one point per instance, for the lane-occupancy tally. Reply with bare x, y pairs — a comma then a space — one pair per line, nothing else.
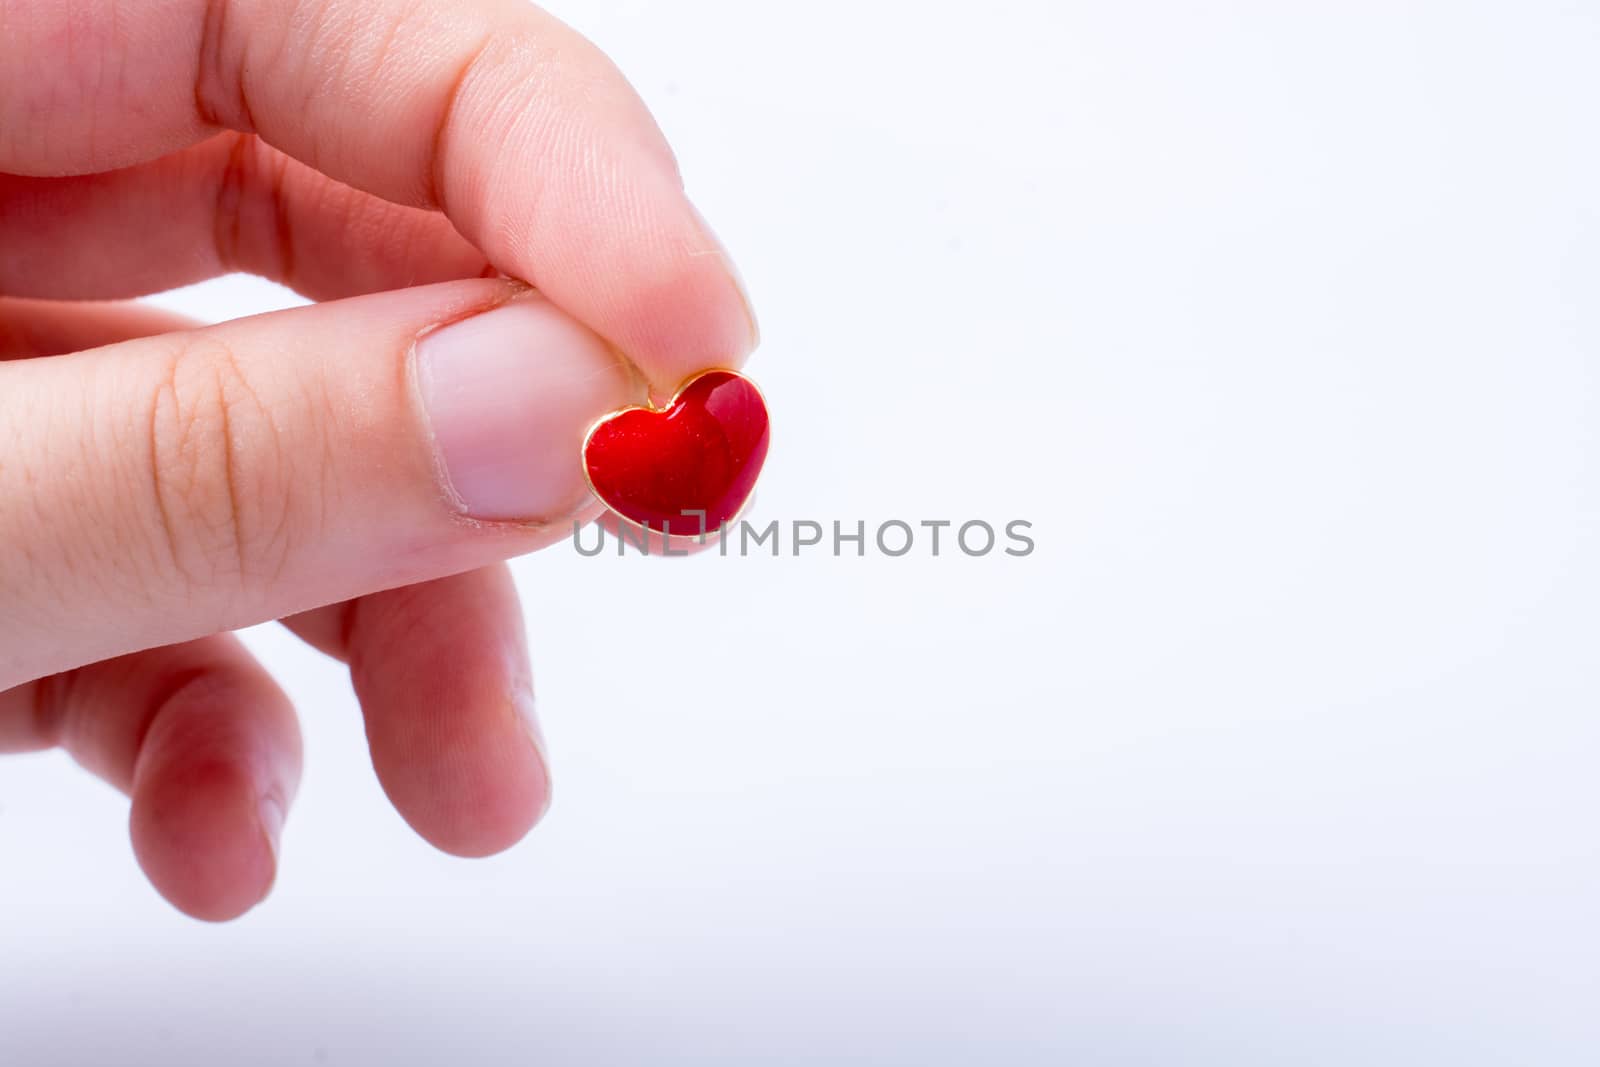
583, 451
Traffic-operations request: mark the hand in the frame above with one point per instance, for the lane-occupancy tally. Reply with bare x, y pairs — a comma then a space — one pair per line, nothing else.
162, 484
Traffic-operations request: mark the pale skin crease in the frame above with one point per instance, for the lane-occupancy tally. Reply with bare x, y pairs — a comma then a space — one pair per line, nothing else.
163, 483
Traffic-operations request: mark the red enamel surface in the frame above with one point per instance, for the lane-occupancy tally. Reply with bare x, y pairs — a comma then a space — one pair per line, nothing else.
702, 452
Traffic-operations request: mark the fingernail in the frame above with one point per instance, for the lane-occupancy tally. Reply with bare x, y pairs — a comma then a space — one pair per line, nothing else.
733, 275
271, 812
527, 713
509, 394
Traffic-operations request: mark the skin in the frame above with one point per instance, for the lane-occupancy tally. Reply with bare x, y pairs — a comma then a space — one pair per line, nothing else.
397, 160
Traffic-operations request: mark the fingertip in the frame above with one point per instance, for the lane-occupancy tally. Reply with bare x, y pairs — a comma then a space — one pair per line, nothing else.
690, 313
442, 673
211, 787
733, 277
474, 789
202, 839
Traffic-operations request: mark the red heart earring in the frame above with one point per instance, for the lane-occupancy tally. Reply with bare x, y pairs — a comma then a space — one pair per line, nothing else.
687, 467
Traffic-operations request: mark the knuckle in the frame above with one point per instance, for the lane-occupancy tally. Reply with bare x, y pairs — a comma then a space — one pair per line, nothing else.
252, 219
219, 473
218, 93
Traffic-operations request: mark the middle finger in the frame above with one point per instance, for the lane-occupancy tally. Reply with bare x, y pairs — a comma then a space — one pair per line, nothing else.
232, 203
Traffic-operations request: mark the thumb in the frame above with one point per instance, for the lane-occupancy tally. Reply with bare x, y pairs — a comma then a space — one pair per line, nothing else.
175, 486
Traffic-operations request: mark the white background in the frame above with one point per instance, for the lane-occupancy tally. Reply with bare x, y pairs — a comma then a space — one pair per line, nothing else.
1278, 322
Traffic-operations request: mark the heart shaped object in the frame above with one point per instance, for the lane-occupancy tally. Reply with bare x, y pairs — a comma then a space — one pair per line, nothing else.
662, 467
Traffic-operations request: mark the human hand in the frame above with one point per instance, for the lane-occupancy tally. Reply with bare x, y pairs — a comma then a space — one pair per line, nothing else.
357, 467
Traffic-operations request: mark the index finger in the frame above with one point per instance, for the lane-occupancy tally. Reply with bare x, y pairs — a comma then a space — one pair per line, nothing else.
491, 111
